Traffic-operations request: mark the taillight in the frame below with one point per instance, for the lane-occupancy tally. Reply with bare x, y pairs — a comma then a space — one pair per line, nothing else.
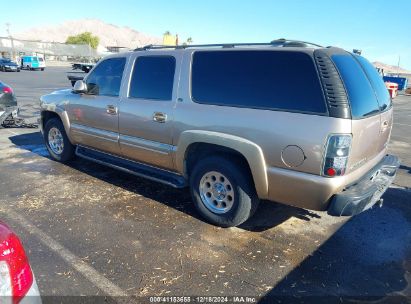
336, 155
7, 90
16, 277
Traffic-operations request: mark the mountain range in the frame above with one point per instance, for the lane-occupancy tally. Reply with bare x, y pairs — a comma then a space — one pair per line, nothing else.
109, 34
113, 35
390, 68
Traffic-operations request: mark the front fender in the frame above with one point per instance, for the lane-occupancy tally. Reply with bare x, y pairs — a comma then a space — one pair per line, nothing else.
252, 153
55, 104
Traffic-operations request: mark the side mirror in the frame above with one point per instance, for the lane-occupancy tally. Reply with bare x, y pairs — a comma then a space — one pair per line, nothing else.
80, 87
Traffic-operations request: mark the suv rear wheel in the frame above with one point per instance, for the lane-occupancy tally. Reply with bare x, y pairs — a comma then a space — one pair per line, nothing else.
223, 192
57, 142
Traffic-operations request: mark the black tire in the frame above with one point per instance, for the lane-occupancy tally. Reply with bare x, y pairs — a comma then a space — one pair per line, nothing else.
245, 200
68, 150
42, 69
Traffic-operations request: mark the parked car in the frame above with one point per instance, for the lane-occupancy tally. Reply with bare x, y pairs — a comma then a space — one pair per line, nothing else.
6, 65
17, 281
8, 102
285, 121
85, 67
33, 63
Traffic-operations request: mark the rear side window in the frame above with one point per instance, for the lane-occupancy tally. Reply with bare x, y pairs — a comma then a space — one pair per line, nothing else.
153, 78
105, 79
377, 82
361, 94
273, 80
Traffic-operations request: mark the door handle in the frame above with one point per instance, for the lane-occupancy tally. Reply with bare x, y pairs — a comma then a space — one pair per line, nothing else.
159, 117
112, 110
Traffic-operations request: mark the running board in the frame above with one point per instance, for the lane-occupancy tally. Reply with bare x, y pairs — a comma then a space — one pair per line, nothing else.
135, 168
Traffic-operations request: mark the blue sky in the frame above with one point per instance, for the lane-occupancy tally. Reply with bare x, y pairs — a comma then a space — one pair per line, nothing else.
379, 28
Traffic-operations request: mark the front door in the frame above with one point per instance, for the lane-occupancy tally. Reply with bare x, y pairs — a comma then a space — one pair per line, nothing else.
94, 115
146, 115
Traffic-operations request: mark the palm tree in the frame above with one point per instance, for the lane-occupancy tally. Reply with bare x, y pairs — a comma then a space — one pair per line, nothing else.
189, 40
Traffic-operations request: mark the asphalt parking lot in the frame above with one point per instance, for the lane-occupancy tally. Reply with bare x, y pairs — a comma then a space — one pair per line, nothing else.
91, 230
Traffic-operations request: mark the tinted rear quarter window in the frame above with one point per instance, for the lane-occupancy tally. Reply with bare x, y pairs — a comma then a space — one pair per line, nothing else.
363, 101
377, 82
153, 78
274, 80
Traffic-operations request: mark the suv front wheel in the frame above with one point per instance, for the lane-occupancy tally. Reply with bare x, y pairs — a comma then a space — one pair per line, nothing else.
223, 192
57, 142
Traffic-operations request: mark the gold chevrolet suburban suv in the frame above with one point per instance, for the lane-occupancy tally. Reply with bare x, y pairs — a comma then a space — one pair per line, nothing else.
286, 121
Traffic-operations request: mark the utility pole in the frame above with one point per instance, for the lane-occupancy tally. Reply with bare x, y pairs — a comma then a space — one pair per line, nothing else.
11, 40
89, 52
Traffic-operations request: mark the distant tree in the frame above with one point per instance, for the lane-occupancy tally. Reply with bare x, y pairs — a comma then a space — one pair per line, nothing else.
84, 38
188, 41
166, 33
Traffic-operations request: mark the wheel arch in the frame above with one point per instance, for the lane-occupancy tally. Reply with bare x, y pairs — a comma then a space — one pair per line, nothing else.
46, 115
191, 148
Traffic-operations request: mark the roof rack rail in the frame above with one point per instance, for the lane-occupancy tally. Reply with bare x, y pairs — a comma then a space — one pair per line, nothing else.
293, 43
276, 43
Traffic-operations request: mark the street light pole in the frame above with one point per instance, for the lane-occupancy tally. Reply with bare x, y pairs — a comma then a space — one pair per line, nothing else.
11, 40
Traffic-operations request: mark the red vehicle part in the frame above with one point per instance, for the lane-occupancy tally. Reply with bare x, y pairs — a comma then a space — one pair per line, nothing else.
16, 277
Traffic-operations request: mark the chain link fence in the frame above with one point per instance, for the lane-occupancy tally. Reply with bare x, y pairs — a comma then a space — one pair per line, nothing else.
10, 47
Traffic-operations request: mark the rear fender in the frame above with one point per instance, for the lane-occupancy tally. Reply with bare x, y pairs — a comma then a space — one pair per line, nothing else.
252, 153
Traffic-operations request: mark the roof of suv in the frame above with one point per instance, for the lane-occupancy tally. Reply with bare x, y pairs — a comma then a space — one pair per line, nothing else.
275, 43
333, 88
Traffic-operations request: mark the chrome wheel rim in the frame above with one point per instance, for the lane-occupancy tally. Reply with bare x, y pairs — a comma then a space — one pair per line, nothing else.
216, 192
56, 142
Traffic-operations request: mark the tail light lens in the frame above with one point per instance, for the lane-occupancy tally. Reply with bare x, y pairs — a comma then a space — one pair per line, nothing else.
336, 155
7, 90
16, 277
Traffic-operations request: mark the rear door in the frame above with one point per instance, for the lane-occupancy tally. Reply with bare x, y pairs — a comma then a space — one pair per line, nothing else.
146, 115
365, 111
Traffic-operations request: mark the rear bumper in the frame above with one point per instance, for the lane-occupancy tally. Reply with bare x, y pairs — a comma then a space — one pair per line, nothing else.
366, 192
